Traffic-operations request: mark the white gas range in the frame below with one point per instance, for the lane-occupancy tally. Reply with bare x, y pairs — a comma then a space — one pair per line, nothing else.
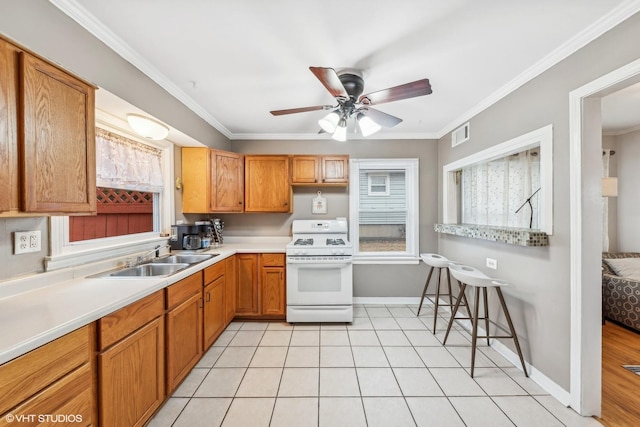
320, 272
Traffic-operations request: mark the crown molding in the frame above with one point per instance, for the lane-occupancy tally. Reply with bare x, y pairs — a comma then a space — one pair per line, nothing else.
326, 136
621, 132
601, 26
78, 13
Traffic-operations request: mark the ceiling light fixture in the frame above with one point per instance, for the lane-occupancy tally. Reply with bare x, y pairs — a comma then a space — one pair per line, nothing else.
367, 125
329, 122
341, 130
147, 127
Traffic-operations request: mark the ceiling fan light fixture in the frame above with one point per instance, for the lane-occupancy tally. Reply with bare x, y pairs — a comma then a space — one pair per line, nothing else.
329, 122
367, 125
147, 127
340, 133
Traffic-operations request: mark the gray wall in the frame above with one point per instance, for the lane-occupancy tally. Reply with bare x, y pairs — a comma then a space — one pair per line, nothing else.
369, 280
628, 200
539, 299
42, 28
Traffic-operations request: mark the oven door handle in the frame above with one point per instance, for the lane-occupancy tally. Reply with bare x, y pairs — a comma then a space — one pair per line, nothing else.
321, 264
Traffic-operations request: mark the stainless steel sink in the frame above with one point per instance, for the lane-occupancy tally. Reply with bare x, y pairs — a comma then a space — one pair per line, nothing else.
148, 270
184, 258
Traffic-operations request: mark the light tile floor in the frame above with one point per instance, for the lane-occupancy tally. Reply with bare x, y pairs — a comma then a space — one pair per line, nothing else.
385, 369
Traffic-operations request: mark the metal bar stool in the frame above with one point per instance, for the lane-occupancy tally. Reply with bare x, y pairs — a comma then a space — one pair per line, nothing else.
472, 277
439, 263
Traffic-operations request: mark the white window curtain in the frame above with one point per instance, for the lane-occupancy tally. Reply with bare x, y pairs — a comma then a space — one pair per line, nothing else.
127, 164
493, 191
606, 156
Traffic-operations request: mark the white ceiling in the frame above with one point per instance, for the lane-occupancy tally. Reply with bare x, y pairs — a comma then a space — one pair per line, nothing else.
232, 62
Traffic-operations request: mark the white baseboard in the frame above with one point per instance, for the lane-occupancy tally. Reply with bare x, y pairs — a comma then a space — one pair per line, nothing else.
538, 377
386, 300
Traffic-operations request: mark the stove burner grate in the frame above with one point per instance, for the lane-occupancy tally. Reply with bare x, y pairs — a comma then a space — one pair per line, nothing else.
303, 242
335, 242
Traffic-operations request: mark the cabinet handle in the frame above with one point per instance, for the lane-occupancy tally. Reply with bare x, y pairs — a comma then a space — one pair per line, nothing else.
208, 296
240, 202
286, 203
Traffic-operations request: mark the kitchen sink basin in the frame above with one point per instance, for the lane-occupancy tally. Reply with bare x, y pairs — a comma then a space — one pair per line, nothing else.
184, 258
147, 270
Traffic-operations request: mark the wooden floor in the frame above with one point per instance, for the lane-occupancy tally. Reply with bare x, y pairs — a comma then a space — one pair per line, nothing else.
620, 387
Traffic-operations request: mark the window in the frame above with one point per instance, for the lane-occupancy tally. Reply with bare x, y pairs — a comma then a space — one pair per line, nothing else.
378, 184
513, 172
134, 205
384, 210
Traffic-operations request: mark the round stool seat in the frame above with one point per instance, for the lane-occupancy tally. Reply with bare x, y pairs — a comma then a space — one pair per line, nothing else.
435, 260
469, 275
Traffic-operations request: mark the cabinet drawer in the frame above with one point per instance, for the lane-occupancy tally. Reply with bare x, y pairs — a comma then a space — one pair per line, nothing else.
214, 271
71, 398
118, 325
28, 374
272, 260
182, 290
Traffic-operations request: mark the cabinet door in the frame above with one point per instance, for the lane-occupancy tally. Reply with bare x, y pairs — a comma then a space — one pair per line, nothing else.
267, 185
214, 311
58, 147
131, 377
230, 280
184, 340
304, 169
71, 396
247, 289
8, 127
335, 169
227, 187
273, 291
196, 179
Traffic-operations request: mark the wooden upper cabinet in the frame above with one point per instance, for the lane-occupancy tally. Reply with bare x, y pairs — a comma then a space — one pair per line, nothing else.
267, 184
58, 157
9, 200
212, 180
227, 188
305, 169
320, 170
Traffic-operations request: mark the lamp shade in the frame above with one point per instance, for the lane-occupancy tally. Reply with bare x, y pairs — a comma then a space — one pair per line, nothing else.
609, 187
147, 127
329, 122
341, 131
367, 125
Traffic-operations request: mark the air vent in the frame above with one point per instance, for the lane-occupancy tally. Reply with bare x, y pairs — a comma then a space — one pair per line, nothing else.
460, 135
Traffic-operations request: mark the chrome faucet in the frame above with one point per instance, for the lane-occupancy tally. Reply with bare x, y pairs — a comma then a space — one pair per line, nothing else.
155, 250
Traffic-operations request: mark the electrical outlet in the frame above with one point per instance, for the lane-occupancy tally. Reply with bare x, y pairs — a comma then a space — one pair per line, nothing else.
27, 241
492, 263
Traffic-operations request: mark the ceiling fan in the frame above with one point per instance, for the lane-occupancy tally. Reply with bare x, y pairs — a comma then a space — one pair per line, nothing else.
347, 87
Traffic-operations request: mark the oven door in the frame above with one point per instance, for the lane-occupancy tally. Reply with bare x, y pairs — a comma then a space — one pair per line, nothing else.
319, 282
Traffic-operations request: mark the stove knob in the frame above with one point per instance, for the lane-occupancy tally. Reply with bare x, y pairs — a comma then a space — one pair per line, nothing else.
304, 252
334, 251
297, 252
341, 252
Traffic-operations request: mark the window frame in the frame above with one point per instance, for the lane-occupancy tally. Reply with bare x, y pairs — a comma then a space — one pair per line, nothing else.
542, 137
68, 254
411, 169
387, 190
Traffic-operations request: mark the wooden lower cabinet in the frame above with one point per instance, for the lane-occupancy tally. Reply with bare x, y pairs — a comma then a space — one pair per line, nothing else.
132, 370
230, 279
56, 380
214, 311
247, 286
183, 323
261, 290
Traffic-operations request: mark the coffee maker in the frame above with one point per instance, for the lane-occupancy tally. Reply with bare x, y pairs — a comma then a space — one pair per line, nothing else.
199, 235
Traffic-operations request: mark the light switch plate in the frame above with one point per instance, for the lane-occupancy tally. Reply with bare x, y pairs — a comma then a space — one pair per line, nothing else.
492, 263
27, 241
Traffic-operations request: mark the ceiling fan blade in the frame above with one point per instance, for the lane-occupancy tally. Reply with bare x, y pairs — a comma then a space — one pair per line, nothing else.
301, 110
329, 78
396, 93
383, 119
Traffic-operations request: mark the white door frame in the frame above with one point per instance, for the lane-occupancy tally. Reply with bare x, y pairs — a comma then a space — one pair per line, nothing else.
585, 139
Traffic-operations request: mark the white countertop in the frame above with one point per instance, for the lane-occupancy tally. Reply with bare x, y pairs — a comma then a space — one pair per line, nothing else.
54, 304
